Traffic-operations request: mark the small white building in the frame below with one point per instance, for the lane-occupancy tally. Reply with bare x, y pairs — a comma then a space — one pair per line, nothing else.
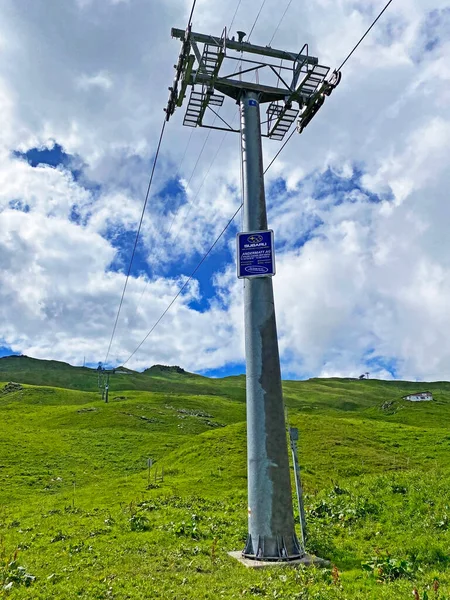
419, 397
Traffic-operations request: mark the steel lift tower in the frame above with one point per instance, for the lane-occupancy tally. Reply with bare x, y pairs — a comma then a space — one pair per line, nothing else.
294, 88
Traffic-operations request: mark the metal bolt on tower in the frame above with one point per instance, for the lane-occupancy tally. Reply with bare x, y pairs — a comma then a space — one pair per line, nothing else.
215, 67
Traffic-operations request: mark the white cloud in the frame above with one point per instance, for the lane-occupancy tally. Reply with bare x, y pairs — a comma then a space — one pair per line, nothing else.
45, 190
57, 299
100, 80
360, 285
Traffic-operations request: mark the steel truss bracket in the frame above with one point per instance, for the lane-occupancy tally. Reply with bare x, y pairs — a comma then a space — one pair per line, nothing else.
298, 65
200, 64
197, 105
185, 79
316, 102
280, 119
183, 65
243, 46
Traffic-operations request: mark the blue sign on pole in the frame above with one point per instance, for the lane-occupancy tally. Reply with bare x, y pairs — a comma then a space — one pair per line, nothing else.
255, 254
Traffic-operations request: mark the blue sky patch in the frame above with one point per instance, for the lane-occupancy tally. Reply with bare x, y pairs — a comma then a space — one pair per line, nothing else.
123, 241
6, 351
435, 28
172, 196
75, 216
277, 187
54, 156
342, 189
19, 205
381, 363
205, 276
226, 371
216, 262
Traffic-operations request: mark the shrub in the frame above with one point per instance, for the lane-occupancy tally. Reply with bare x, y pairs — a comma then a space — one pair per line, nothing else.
385, 568
139, 523
187, 528
12, 574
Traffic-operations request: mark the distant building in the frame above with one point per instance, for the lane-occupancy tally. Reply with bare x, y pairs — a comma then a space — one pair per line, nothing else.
419, 397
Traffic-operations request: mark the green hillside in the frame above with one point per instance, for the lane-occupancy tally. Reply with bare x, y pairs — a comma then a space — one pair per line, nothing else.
80, 518
158, 378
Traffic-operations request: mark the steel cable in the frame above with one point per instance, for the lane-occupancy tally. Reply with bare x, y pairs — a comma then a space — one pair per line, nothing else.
136, 239
205, 256
142, 216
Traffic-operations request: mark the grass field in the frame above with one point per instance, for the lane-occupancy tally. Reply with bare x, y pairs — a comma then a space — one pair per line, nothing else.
79, 518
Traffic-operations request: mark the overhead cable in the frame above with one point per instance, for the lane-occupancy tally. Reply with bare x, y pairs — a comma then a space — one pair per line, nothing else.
142, 214
175, 178
241, 205
192, 175
191, 202
205, 256
192, 13
338, 69
234, 16
256, 20
199, 264
155, 160
279, 22
176, 213
280, 150
184, 156
384, 9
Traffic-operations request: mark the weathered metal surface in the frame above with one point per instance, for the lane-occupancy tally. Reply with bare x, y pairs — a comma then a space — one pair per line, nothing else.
271, 522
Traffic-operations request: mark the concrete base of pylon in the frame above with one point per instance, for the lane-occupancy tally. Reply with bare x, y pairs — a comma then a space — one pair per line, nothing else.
309, 560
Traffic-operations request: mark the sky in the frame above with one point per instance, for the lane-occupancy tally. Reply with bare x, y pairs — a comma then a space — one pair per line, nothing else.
358, 202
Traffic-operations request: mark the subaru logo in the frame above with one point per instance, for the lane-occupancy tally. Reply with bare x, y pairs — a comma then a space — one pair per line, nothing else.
256, 270
255, 239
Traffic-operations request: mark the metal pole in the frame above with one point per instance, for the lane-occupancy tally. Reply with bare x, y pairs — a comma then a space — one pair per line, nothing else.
293, 434
271, 530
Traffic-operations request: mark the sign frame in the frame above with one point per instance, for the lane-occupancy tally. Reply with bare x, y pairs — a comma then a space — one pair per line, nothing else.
256, 262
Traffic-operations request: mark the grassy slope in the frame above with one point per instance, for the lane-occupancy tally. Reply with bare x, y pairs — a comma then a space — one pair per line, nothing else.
23, 369
74, 492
